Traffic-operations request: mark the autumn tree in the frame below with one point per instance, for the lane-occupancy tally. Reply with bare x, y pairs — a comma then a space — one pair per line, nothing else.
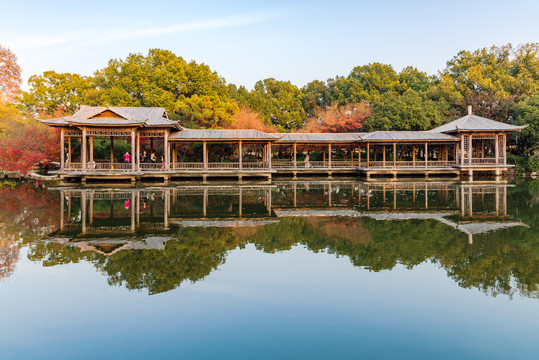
346, 118
10, 75
25, 142
250, 119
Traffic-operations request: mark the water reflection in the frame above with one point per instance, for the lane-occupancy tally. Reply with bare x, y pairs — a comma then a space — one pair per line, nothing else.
157, 238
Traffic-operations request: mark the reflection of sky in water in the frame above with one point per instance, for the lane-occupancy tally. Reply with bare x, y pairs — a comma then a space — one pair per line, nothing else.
297, 303
291, 304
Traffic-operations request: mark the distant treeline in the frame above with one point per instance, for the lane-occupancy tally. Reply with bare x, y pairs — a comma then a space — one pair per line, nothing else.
501, 83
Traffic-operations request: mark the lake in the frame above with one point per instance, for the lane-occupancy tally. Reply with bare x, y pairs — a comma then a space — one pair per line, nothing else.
309, 269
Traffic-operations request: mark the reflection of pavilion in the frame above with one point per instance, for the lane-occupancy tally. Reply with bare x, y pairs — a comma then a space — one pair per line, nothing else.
111, 220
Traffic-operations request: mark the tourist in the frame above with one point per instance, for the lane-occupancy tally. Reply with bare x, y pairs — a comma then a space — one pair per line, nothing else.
153, 158
307, 161
127, 157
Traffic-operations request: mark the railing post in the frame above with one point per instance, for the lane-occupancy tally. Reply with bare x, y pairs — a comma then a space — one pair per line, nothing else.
62, 150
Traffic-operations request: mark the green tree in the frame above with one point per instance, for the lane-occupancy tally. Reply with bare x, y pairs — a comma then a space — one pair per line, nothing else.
527, 113
410, 111
53, 92
490, 80
279, 102
315, 95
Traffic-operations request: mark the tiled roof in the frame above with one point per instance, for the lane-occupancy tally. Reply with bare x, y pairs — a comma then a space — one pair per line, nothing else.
89, 115
320, 137
472, 122
214, 134
407, 136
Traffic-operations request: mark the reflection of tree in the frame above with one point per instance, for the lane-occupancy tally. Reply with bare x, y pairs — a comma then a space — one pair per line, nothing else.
501, 262
27, 212
9, 255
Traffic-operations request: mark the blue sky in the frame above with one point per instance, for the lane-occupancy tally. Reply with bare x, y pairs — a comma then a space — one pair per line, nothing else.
245, 41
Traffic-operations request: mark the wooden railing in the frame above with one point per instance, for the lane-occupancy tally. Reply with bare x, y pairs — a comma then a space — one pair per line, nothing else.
483, 160
410, 164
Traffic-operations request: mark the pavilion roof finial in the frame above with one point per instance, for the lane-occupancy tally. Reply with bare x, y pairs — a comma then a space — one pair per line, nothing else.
469, 109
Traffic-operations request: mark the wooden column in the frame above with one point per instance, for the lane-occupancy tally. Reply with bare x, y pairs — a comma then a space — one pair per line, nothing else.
134, 153
395, 154
83, 152
504, 150
496, 148
426, 155
69, 155
413, 155
384, 156
204, 154
368, 154
461, 149
111, 151
295, 154
269, 155
174, 155
470, 150
62, 149
92, 152
166, 149
240, 154
138, 151
329, 155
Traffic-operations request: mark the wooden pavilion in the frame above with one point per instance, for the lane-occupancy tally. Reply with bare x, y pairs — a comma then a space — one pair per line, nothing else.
159, 148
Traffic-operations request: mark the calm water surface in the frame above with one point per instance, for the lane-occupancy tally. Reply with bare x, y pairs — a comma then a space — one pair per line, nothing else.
317, 269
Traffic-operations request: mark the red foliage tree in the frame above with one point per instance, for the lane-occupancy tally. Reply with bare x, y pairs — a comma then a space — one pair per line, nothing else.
25, 142
250, 119
10, 75
347, 118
